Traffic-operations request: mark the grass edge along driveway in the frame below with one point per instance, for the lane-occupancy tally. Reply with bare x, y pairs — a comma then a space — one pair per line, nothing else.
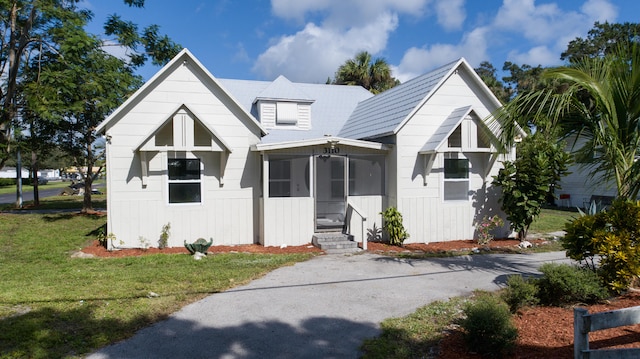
53, 305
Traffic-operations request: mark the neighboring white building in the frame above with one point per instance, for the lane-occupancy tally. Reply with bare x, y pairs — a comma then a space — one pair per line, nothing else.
275, 162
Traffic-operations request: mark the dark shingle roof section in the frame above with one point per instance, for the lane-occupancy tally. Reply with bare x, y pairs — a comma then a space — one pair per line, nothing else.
382, 114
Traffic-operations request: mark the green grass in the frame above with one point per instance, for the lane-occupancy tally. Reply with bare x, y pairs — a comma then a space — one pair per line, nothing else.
416, 335
53, 305
551, 220
60, 202
12, 189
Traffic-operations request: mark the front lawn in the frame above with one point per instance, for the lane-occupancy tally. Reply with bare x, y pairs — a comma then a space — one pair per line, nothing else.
54, 305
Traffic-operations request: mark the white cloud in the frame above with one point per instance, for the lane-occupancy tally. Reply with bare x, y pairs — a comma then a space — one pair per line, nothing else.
539, 55
600, 10
345, 13
451, 13
417, 61
314, 53
548, 27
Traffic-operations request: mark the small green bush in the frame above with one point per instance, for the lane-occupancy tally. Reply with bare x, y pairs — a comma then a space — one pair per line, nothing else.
519, 293
578, 239
568, 284
6, 182
619, 245
488, 328
393, 226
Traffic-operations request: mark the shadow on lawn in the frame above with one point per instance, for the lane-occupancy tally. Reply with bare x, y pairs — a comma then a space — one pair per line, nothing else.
50, 333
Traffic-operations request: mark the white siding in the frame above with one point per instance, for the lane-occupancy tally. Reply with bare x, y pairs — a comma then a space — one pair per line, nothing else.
427, 216
227, 212
371, 207
288, 221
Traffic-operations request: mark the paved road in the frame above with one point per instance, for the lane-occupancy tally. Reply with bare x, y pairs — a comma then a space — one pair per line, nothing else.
321, 308
27, 195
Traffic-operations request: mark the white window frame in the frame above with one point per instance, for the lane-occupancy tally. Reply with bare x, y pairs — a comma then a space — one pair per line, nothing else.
455, 180
198, 181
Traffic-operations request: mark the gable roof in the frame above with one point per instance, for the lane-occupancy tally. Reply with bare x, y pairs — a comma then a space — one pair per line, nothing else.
183, 57
386, 113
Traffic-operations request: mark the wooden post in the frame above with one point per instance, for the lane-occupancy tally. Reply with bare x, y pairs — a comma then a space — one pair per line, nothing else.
580, 333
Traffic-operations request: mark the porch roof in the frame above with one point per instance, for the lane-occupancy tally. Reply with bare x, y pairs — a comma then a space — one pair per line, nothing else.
327, 140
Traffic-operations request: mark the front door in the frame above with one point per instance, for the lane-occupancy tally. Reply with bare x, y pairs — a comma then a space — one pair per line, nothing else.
330, 193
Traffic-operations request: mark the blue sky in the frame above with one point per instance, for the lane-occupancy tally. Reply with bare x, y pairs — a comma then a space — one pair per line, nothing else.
306, 40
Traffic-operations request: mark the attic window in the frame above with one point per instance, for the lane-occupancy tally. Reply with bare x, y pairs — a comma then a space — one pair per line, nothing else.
455, 139
286, 113
164, 137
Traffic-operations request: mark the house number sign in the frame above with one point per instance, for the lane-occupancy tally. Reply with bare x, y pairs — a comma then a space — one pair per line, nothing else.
331, 150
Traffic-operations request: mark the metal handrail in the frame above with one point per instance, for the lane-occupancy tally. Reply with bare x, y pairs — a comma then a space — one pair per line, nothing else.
364, 219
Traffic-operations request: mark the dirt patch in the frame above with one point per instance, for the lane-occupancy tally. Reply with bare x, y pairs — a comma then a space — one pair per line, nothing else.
450, 246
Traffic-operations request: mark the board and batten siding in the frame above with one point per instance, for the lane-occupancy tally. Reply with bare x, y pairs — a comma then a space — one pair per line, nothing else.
427, 217
371, 206
288, 221
227, 213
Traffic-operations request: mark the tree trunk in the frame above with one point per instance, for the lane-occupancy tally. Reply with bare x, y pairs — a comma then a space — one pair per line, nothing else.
34, 176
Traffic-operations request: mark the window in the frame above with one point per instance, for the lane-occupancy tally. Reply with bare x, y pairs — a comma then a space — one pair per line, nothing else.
455, 139
483, 137
456, 179
366, 175
289, 176
286, 113
184, 180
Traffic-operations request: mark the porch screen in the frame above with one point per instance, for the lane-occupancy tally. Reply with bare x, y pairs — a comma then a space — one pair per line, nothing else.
366, 175
289, 176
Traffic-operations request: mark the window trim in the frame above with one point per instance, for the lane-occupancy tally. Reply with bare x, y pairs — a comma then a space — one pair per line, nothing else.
198, 181
445, 180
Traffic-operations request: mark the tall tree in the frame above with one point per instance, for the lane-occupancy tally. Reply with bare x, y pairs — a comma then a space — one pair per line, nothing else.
601, 40
374, 75
487, 73
599, 109
28, 27
25, 25
79, 85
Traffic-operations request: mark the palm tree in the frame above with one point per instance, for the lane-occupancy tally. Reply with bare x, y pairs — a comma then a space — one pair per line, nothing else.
599, 108
361, 71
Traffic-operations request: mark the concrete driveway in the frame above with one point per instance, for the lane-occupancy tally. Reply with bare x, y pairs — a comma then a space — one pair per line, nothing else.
321, 308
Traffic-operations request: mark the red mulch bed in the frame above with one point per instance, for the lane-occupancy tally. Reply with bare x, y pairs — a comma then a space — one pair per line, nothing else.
547, 332
544, 332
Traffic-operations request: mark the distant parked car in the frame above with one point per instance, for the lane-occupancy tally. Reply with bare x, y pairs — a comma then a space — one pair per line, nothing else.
77, 189
42, 180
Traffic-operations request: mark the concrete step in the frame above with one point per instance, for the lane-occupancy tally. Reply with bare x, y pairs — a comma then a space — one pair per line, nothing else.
335, 243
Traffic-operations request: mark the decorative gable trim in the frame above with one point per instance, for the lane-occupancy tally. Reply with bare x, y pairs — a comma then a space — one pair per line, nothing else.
185, 57
179, 132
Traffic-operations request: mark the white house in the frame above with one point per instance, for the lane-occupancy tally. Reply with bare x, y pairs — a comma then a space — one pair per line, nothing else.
274, 162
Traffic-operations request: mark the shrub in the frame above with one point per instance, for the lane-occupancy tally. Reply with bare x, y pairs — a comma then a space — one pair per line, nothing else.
567, 284
618, 245
488, 329
164, 236
578, 238
485, 227
393, 226
614, 237
520, 292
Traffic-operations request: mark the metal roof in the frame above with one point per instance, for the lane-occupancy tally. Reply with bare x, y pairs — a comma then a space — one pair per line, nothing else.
383, 114
332, 104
